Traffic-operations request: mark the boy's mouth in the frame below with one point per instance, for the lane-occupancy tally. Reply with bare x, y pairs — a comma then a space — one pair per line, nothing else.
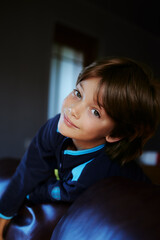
68, 122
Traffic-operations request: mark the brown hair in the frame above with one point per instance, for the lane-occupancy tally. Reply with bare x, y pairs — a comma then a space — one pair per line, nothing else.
130, 99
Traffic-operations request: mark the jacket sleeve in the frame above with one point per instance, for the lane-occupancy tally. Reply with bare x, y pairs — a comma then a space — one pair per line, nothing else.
55, 190
35, 167
69, 187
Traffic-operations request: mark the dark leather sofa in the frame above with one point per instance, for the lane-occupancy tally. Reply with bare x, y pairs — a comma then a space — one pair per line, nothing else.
112, 209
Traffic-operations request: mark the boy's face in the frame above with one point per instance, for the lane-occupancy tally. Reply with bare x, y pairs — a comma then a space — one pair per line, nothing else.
82, 119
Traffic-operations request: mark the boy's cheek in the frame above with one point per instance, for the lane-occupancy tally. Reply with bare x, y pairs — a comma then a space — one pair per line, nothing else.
60, 124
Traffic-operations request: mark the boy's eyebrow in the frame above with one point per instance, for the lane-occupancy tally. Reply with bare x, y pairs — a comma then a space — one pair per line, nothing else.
100, 105
97, 102
81, 85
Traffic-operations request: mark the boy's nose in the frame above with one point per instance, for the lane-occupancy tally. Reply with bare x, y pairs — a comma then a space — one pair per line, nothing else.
76, 110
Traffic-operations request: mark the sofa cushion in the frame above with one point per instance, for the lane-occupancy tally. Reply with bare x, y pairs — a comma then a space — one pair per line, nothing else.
116, 208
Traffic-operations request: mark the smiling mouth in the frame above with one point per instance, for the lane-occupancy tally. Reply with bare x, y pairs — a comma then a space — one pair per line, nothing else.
68, 122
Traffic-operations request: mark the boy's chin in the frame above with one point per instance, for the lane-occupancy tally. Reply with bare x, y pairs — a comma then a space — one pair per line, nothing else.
61, 129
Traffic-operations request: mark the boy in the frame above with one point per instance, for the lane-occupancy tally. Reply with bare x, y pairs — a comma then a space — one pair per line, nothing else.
103, 126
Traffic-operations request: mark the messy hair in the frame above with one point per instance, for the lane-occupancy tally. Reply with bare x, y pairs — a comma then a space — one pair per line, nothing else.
131, 99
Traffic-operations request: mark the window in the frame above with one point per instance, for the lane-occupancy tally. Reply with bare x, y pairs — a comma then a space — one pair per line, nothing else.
65, 66
71, 51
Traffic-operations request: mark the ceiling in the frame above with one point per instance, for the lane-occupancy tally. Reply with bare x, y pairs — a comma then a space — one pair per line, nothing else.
144, 14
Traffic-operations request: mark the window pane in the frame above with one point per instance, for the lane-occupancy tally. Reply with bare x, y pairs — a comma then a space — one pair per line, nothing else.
65, 66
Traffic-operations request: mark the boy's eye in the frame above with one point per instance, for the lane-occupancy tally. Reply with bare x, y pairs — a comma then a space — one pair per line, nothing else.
77, 93
95, 113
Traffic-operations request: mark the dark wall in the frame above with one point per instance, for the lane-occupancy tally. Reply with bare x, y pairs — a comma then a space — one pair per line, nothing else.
26, 33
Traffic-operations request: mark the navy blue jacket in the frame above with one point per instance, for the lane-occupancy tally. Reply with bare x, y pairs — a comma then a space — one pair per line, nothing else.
48, 172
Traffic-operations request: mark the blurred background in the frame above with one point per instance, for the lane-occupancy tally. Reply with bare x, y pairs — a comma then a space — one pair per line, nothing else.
44, 45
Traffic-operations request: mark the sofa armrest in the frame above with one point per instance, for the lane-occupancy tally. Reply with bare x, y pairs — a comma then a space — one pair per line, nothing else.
34, 222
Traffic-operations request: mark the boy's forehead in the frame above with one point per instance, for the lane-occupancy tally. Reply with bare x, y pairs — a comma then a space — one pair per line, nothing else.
92, 81
96, 87
100, 93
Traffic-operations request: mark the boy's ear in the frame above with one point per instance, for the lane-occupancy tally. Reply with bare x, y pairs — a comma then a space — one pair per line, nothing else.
112, 139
